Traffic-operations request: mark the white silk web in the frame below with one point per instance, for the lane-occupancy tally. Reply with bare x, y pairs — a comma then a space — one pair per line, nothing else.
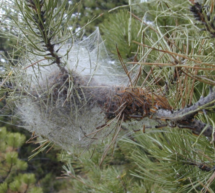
58, 108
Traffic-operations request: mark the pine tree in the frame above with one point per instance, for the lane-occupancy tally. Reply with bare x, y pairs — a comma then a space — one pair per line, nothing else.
178, 59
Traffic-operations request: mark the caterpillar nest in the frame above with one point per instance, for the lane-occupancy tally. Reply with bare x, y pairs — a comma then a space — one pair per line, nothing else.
90, 99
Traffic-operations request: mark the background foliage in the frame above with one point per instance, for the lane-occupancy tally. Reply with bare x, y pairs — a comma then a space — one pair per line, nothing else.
87, 10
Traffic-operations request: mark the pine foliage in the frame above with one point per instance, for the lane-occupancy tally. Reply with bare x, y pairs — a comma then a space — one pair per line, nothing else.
87, 10
115, 33
174, 160
12, 169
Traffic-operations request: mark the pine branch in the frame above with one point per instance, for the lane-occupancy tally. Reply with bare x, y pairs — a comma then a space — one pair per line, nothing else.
202, 14
184, 118
39, 16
